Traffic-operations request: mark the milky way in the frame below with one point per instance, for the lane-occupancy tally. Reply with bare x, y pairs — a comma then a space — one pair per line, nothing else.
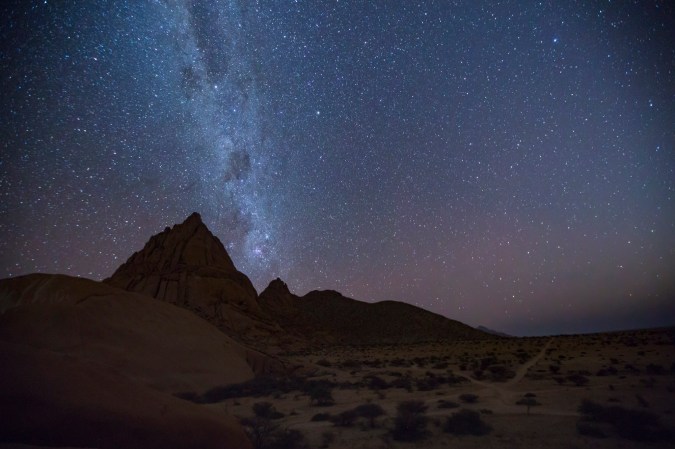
507, 164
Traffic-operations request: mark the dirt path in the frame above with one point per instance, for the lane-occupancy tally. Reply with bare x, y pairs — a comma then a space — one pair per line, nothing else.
522, 370
504, 395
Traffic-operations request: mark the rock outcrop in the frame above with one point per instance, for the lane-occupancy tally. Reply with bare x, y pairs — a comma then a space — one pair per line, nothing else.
87, 364
188, 266
326, 317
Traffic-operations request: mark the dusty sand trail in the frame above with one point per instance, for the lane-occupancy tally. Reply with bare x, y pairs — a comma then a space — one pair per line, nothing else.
502, 397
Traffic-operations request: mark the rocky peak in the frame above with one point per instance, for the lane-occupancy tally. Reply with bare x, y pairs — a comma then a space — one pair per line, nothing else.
188, 266
277, 288
189, 244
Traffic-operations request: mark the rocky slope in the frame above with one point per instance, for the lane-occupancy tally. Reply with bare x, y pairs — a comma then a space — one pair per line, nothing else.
87, 364
188, 266
327, 317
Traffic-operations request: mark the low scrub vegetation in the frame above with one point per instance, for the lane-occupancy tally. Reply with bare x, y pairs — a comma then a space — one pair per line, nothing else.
466, 422
636, 425
410, 423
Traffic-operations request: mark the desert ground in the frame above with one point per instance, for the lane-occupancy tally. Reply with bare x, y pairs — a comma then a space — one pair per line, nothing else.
629, 375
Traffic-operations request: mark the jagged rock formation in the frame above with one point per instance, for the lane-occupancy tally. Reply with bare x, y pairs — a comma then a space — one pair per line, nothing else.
87, 364
327, 317
188, 266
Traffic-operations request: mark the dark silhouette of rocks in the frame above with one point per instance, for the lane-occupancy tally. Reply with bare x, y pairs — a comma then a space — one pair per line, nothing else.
90, 365
327, 317
188, 266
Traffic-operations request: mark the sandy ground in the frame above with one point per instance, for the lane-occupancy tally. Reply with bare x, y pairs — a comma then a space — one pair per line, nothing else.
633, 370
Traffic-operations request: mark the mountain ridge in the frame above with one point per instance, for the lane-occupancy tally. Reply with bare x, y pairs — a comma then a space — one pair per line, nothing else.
187, 265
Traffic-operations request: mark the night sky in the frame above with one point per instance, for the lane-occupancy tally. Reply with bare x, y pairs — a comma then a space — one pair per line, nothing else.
509, 164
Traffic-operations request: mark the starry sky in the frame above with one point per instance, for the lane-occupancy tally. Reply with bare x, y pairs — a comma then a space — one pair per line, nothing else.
508, 164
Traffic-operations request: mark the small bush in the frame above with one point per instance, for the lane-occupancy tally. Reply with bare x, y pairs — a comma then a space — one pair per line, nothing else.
578, 379
636, 425
376, 383
327, 439
188, 396
402, 382
444, 403
344, 419
325, 363
266, 410
288, 439
410, 423
590, 429
370, 412
468, 398
528, 400
427, 383
321, 395
321, 417
466, 422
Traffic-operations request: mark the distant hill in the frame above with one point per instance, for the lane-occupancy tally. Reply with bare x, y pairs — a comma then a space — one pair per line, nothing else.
493, 332
327, 317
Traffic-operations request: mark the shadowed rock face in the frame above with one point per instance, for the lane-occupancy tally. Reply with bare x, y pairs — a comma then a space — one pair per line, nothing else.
182, 263
188, 266
87, 364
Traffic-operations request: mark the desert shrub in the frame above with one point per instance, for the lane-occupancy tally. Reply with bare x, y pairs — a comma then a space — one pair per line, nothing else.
500, 373
642, 401
327, 438
256, 387
451, 379
609, 371
399, 362
578, 379
528, 401
321, 395
487, 361
419, 361
590, 429
288, 439
321, 417
466, 422
637, 425
344, 419
376, 383
352, 364
444, 403
555, 369
410, 423
324, 363
654, 369
261, 432
441, 365
188, 396
266, 410
427, 383
402, 382
370, 412
468, 398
